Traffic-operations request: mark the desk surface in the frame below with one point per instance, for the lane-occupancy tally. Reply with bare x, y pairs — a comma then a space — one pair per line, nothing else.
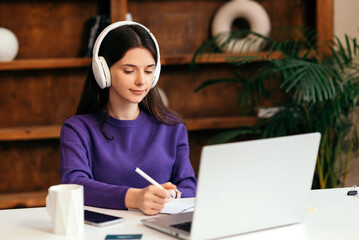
337, 217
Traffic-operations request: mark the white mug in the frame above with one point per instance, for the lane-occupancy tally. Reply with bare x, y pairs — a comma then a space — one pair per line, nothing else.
65, 205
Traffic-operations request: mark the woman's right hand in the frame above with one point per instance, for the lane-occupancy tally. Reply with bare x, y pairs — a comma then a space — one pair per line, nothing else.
150, 200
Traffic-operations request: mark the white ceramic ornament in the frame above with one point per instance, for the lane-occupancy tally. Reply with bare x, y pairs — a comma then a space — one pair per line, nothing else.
9, 45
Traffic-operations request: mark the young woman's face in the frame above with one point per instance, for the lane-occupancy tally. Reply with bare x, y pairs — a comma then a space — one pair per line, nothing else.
132, 76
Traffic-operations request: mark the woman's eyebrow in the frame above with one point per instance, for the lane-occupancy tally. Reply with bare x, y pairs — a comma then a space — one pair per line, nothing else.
135, 66
128, 65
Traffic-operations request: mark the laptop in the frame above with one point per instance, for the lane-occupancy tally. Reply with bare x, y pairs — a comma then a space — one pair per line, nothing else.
247, 186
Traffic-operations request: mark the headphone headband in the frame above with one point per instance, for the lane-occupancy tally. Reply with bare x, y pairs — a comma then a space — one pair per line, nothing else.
99, 65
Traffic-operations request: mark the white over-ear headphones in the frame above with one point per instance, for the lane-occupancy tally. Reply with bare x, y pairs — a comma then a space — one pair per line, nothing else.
100, 68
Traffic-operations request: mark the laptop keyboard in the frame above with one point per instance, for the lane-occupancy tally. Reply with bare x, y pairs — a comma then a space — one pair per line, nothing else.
186, 226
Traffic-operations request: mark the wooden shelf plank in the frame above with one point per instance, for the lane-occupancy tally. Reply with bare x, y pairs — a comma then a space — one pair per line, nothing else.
46, 63
54, 63
24, 199
213, 57
30, 133
219, 123
53, 132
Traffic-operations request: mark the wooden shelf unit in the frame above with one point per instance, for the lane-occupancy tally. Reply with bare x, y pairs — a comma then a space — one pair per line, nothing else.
55, 63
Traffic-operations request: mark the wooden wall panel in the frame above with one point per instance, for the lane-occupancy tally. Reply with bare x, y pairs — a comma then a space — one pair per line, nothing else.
179, 85
39, 97
47, 29
179, 26
29, 166
289, 17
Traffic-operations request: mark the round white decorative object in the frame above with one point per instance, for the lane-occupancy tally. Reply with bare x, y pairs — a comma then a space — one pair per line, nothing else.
249, 10
163, 96
9, 45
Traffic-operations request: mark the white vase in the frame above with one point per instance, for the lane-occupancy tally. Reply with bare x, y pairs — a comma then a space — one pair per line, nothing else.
250, 10
163, 96
9, 45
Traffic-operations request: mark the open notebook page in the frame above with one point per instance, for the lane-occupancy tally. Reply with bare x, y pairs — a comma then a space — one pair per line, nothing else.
179, 206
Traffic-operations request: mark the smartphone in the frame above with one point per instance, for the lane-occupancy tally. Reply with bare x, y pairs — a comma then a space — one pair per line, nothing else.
100, 219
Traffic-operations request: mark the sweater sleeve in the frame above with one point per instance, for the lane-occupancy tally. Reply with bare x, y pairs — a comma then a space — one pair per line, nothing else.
182, 173
76, 165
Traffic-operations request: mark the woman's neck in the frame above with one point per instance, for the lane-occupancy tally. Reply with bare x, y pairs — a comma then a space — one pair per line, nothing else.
130, 112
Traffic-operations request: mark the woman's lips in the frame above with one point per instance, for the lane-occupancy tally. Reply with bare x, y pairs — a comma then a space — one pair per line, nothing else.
138, 92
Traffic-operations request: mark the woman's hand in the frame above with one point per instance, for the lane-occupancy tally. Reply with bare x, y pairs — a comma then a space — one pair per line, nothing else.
171, 188
150, 200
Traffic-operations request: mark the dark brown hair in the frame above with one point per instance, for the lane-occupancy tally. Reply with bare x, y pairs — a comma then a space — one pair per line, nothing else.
113, 47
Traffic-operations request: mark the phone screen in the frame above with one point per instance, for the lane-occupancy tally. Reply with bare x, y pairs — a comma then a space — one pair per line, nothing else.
100, 219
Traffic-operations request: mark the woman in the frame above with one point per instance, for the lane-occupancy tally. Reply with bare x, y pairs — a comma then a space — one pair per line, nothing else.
121, 123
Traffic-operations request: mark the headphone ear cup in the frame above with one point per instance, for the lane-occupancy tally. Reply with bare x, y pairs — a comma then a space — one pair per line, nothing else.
157, 74
101, 72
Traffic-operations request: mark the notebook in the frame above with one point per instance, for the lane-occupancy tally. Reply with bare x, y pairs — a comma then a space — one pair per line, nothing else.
247, 186
179, 206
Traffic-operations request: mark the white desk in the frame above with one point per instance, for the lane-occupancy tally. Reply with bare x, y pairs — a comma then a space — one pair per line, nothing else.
337, 217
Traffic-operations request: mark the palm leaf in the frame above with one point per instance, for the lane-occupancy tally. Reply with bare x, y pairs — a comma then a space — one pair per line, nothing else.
215, 81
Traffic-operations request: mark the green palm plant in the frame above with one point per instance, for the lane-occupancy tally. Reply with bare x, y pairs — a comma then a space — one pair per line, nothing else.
320, 87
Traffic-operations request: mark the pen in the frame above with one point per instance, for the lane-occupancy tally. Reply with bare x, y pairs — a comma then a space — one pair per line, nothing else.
148, 178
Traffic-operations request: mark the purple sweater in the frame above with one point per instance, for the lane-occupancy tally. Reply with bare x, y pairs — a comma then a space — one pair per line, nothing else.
106, 167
